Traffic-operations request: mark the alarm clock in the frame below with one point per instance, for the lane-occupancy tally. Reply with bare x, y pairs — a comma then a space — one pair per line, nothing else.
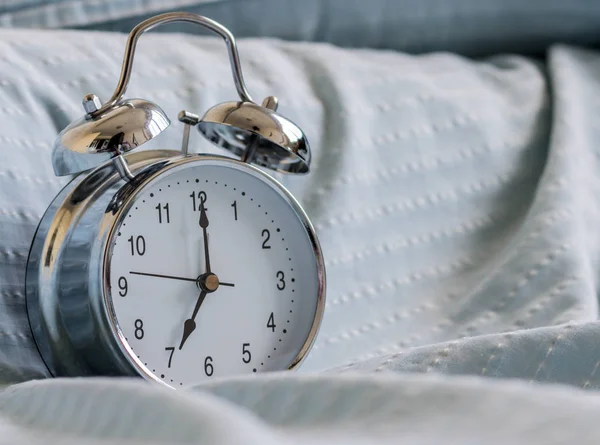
173, 266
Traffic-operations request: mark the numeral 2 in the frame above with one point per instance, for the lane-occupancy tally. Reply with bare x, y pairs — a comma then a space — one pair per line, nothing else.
267, 236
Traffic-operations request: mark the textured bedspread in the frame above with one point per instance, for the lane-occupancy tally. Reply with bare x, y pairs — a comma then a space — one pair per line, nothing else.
456, 202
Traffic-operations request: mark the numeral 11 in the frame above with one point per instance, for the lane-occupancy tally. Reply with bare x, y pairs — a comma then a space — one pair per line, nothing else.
160, 213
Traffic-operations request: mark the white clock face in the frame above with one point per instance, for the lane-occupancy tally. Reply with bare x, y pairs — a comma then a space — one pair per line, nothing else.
244, 301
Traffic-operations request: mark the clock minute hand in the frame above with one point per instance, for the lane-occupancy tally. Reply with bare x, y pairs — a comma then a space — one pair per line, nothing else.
204, 224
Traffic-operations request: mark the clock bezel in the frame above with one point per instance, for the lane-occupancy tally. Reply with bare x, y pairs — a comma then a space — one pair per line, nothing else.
125, 199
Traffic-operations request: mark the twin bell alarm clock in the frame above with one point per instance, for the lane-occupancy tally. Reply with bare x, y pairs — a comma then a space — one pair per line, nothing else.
173, 266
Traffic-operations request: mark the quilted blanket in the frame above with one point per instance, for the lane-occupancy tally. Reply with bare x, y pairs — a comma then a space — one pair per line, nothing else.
456, 202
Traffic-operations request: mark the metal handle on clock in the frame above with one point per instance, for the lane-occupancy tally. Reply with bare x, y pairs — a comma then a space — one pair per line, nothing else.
161, 19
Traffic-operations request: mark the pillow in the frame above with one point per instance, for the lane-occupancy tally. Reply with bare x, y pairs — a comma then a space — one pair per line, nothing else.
453, 198
469, 27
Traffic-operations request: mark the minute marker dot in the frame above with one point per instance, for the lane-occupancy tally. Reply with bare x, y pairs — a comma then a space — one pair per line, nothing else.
151, 195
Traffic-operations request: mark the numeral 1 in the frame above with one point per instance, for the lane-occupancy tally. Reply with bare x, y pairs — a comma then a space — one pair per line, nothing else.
234, 205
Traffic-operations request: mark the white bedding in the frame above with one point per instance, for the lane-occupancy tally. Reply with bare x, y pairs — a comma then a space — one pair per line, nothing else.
456, 202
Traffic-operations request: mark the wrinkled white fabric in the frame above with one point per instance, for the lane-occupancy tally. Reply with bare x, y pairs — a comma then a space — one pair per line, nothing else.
294, 410
456, 202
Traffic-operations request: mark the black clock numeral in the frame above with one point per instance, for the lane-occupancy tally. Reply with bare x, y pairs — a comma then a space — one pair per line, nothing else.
234, 205
208, 367
172, 349
160, 209
281, 282
246, 356
122, 286
138, 246
271, 322
197, 200
139, 329
267, 236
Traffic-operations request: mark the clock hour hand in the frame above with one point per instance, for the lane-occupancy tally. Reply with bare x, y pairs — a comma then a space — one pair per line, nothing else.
189, 325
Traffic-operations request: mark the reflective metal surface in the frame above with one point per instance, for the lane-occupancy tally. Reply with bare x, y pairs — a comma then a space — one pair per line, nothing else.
87, 143
118, 126
63, 283
258, 135
146, 25
67, 284
68, 302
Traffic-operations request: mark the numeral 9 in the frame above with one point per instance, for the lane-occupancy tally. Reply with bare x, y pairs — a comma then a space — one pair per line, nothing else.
123, 286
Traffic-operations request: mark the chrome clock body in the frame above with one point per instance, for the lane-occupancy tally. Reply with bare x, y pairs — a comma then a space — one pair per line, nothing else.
68, 299
70, 296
